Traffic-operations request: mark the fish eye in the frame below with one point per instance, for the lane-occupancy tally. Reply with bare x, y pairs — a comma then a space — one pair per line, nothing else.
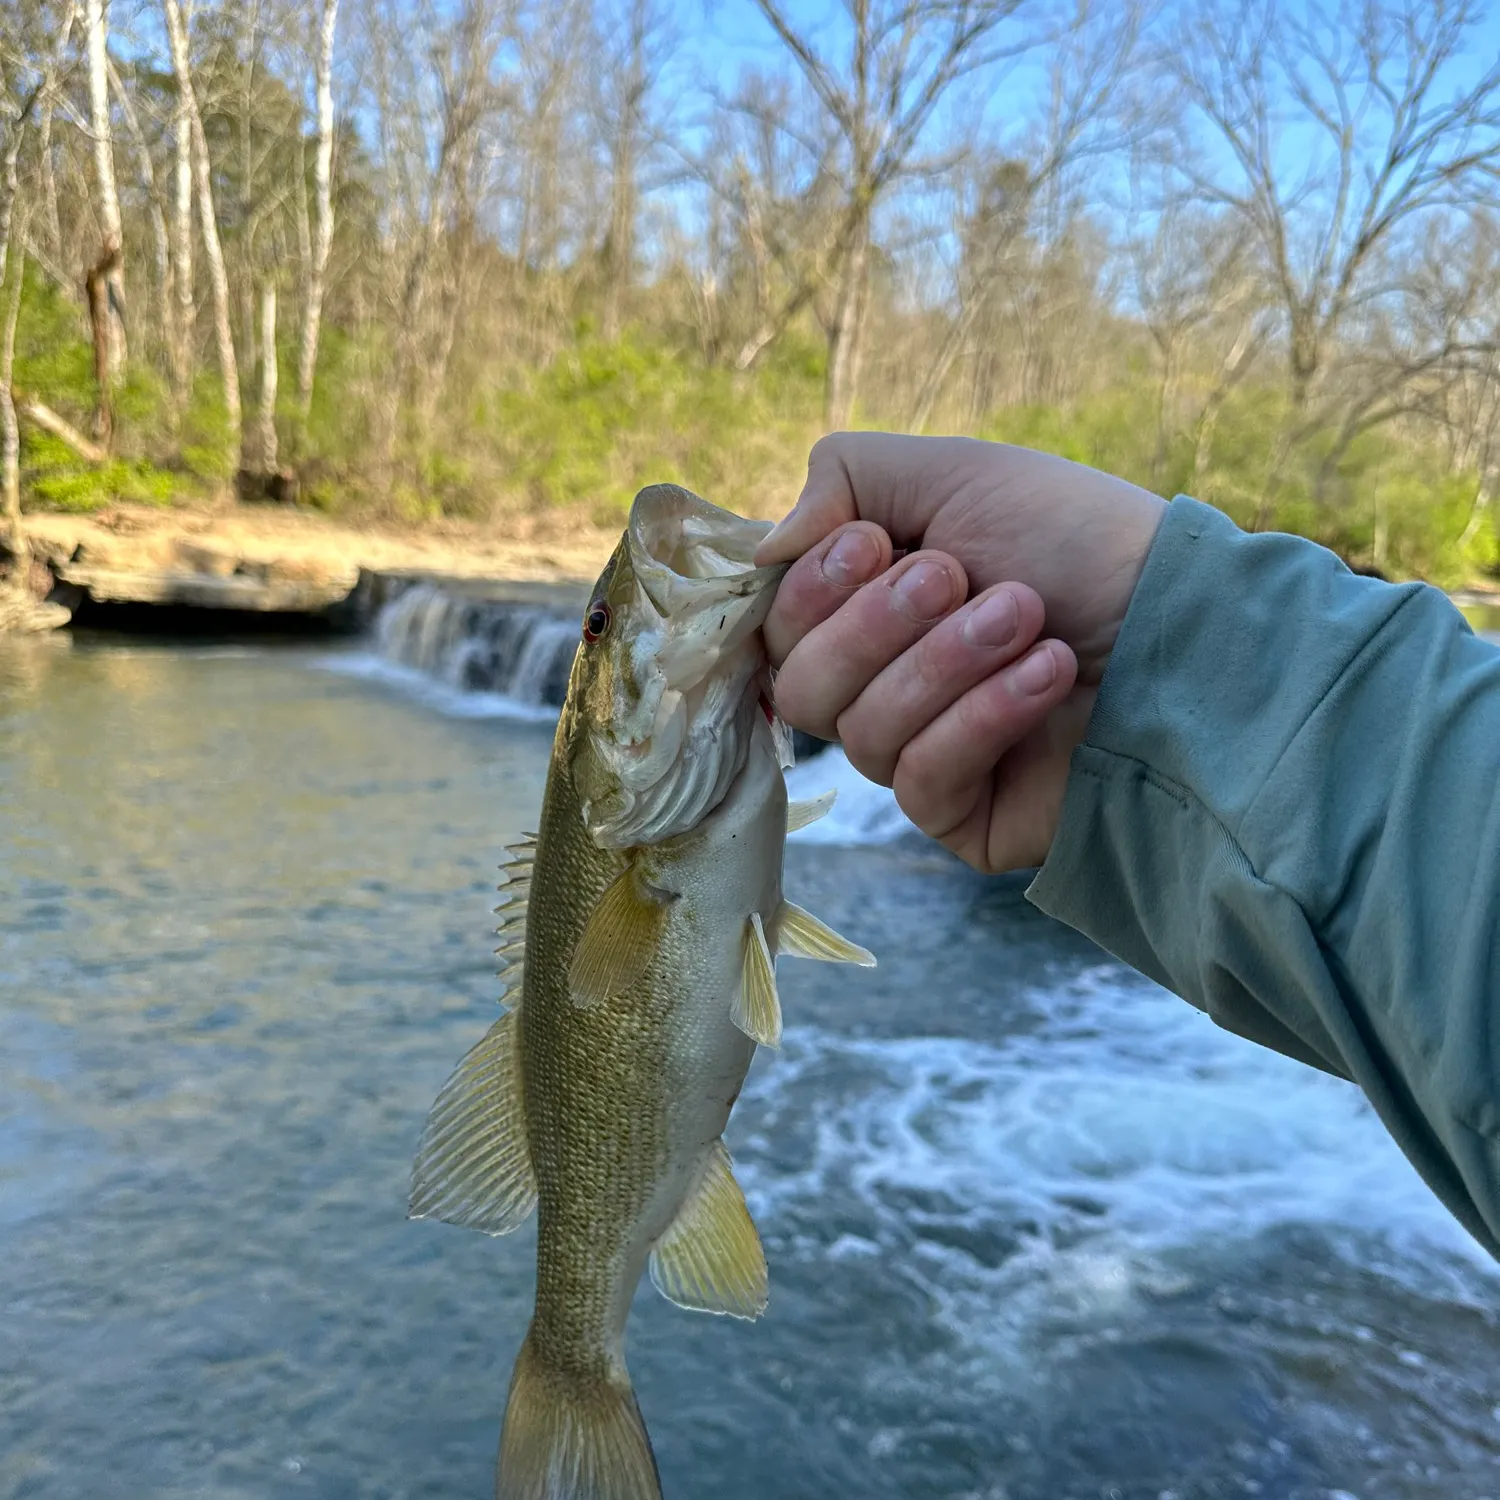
596, 622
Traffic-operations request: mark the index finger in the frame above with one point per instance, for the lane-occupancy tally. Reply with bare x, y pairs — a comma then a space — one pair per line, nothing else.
899, 482
821, 580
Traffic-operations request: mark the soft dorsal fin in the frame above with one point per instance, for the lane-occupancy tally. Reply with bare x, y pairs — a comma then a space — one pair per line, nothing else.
711, 1258
800, 814
757, 1007
474, 1164
620, 940
800, 933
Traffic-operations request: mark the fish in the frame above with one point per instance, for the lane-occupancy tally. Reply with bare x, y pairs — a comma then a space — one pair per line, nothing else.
640, 931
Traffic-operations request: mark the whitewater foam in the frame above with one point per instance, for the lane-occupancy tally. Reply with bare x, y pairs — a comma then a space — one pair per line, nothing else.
441, 697
1065, 1173
864, 812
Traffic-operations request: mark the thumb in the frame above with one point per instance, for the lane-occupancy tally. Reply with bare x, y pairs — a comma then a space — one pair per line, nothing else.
826, 503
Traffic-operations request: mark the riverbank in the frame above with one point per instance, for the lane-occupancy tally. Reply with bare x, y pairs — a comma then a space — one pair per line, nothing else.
255, 559
245, 560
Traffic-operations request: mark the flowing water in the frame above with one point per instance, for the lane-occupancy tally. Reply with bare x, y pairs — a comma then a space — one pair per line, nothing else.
1037, 1230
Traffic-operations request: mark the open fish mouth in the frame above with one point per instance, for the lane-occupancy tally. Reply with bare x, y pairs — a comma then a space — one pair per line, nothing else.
693, 674
687, 553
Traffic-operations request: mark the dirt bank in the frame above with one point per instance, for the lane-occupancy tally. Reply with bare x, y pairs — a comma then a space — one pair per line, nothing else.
304, 546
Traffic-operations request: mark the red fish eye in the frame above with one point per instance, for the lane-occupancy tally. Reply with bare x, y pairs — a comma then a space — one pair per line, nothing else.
596, 622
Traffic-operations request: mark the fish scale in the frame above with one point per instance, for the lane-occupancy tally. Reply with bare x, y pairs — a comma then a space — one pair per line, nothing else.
647, 914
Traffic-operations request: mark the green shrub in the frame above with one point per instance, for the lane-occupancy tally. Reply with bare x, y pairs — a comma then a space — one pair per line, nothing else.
604, 419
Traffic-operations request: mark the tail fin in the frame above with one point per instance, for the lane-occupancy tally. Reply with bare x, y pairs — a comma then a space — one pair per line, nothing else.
566, 1441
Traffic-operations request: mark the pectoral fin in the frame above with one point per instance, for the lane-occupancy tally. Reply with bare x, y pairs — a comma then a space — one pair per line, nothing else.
757, 1008
711, 1258
800, 933
619, 942
474, 1164
800, 814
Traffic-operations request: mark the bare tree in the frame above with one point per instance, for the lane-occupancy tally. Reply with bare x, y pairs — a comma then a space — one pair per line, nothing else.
637, 49
787, 197
15, 120
107, 294
268, 377
1389, 130
322, 239
902, 58
1193, 276
155, 207
1088, 64
209, 222
10, 429
181, 325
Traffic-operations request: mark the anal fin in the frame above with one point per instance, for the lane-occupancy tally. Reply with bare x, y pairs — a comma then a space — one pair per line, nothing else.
801, 934
757, 1007
473, 1166
711, 1258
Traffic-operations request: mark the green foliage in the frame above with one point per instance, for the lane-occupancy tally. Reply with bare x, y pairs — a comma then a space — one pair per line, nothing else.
1383, 493
54, 359
605, 418
204, 440
60, 480
585, 430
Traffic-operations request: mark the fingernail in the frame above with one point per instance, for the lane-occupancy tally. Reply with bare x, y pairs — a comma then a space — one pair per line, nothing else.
1032, 677
852, 559
924, 591
993, 621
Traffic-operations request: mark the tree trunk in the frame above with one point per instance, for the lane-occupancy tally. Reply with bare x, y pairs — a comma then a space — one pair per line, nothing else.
312, 312
212, 251
847, 333
1476, 514
1235, 364
49, 177
182, 250
620, 247
156, 210
111, 255
10, 435
937, 372
96, 285
1166, 399
49, 421
268, 455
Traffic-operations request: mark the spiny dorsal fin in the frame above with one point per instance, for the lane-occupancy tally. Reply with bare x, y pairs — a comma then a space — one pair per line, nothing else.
474, 1165
757, 1008
620, 940
800, 933
711, 1258
800, 814
515, 897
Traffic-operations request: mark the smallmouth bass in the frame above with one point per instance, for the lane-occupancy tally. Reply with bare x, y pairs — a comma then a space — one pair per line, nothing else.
645, 918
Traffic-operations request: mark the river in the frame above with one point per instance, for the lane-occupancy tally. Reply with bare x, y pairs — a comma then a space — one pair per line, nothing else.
1037, 1230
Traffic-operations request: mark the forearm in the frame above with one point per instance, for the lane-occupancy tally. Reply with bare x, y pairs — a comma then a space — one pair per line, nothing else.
1287, 810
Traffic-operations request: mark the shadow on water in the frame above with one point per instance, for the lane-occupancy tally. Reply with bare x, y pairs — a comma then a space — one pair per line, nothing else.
1037, 1231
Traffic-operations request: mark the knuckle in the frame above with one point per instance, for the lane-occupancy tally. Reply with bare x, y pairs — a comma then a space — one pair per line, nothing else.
868, 750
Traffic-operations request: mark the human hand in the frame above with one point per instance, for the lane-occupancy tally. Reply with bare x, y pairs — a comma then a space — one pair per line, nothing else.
956, 705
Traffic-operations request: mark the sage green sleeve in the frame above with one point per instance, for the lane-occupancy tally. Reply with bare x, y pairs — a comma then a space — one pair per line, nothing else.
1287, 811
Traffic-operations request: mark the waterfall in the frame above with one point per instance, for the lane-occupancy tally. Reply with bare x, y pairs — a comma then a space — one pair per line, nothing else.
471, 644
476, 656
